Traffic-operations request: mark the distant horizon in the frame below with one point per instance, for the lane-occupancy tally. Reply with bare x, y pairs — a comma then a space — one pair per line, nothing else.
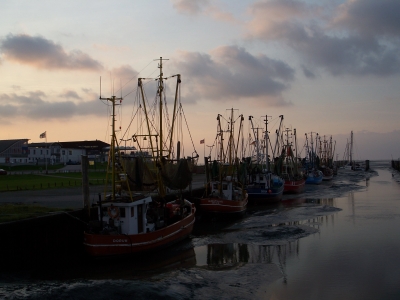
330, 67
362, 147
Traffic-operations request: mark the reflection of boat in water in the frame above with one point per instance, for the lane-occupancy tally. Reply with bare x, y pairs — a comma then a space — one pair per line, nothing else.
230, 256
138, 266
224, 194
133, 222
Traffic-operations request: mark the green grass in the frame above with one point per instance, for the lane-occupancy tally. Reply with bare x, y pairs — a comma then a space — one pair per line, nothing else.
29, 167
15, 212
52, 180
32, 167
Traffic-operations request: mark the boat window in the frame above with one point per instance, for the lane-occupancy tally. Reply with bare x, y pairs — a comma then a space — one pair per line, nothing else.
132, 212
215, 186
224, 186
122, 212
104, 211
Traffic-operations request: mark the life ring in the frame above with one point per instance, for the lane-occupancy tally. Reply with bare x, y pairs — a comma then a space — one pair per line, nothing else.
113, 212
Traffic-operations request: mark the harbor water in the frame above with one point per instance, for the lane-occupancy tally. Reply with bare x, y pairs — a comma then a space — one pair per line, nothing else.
337, 240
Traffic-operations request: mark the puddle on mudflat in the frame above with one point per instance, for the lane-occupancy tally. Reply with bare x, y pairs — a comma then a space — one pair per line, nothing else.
224, 259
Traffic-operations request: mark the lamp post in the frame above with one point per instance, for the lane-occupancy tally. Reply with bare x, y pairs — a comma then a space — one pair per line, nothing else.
210, 150
122, 140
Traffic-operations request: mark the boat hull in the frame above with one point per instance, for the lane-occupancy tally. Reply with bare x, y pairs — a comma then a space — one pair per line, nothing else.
264, 195
313, 180
121, 244
294, 186
327, 177
215, 205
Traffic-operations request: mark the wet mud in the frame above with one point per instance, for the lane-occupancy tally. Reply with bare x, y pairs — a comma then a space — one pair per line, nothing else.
223, 259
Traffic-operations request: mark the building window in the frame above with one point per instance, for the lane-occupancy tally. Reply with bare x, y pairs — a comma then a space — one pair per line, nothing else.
70, 152
63, 152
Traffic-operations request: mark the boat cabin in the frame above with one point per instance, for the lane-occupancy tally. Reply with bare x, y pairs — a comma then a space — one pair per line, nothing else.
128, 217
229, 190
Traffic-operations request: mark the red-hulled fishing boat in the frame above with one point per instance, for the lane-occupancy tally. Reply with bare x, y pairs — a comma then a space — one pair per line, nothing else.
224, 193
291, 171
293, 186
131, 222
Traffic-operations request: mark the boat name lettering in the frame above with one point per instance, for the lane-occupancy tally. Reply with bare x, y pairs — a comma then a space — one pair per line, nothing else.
120, 241
215, 201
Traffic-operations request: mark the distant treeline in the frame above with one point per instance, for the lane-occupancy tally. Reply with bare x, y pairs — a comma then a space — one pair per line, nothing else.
396, 165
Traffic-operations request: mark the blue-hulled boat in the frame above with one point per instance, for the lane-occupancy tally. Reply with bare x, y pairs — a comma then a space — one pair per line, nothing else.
262, 184
314, 177
267, 187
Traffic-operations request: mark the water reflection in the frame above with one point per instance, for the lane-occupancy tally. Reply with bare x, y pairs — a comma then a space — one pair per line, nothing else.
233, 255
350, 198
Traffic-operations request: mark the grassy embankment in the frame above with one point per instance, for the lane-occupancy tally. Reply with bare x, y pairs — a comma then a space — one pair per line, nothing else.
35, 177
14, 212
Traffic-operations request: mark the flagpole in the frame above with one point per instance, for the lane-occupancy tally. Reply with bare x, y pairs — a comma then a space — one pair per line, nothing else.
45, 135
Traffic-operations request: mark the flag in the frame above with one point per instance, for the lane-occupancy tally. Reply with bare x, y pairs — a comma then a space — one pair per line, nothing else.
43, 135
202, 141
289, 151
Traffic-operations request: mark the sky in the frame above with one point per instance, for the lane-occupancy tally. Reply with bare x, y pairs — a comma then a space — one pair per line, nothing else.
328, 66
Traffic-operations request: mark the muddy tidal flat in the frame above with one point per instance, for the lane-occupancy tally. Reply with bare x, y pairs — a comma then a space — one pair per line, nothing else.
337, 240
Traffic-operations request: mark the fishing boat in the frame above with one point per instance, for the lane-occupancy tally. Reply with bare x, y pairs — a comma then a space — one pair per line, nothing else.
348, 156
224, 193
312, 173
130, 221
291, 168
314, 176
326, 153
262, 185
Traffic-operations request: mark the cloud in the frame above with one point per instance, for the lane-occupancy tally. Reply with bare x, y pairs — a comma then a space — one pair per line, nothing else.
34, 106
202, 7
369, 17
124, 73
270, 18
45, 54
189, 6
231, 73
69, 94
308, 73
341, 43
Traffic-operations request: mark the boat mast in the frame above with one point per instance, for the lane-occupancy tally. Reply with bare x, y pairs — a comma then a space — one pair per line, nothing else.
221, 139
266, 143
114, 142
295, 149
351, 148
256, 140
231, 141
178, 81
